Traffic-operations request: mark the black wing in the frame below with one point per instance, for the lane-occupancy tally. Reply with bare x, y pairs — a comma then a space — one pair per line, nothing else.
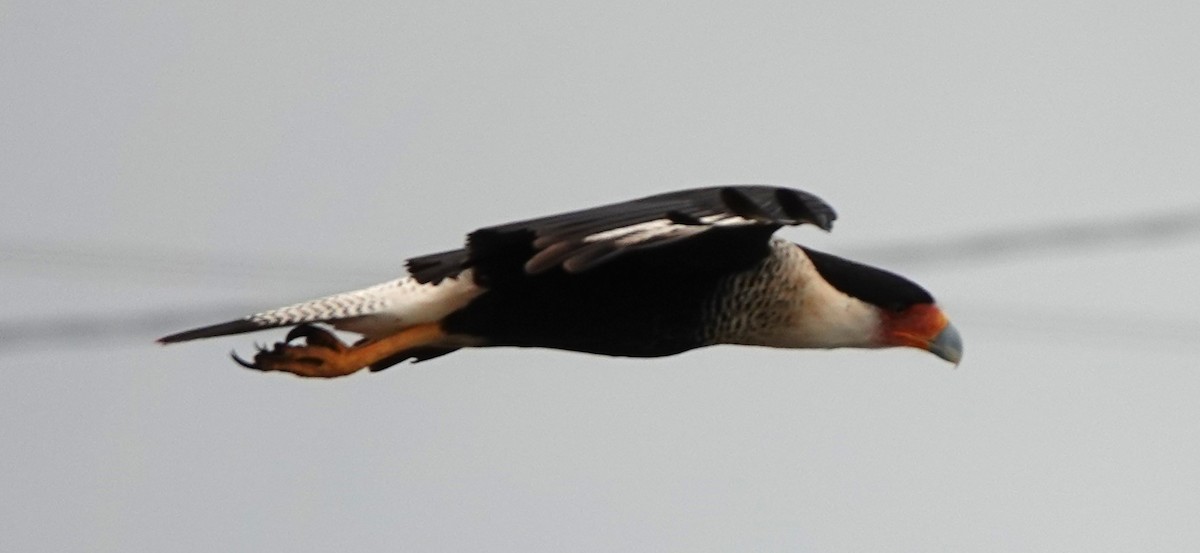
733, 217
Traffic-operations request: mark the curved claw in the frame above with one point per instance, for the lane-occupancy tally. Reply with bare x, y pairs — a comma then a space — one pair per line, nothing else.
322, 356
243, 362
299, 331
314, 336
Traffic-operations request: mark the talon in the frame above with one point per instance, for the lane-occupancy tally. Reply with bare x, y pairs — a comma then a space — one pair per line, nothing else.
317, 359
300, 331
315, 336
243, 362
325, 356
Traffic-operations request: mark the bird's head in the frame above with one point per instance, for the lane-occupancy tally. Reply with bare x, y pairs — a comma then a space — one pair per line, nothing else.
907, 314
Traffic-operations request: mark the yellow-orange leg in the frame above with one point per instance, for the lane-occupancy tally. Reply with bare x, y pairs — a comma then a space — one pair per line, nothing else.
325, 356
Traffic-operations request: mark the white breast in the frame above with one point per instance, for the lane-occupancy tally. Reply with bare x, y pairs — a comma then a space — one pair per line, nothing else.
805, 311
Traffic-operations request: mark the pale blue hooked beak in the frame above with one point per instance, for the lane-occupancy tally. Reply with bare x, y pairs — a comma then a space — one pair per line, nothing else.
948, 345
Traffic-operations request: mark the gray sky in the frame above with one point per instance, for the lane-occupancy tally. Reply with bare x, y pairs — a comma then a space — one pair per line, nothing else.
165, 165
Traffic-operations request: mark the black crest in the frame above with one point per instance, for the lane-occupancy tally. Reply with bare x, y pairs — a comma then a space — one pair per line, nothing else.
874, 286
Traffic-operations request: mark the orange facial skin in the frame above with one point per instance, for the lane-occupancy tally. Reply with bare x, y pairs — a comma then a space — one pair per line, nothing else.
918, 326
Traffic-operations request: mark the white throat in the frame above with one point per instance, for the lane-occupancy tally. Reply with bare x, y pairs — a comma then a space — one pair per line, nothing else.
814, 314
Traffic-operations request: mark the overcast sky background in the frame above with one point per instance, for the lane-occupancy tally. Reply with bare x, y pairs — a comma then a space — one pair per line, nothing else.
166, 165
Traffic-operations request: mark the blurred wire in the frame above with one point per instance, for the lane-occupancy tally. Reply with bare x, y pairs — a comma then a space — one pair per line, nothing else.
88, 330
138, 263
1091, 326
141, 329
979, 246
102, 330
1039, 240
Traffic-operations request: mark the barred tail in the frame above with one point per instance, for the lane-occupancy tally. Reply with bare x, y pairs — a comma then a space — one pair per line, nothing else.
375, 311
347, 305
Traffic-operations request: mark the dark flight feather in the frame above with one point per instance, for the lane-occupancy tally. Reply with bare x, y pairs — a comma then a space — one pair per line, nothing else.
582, 240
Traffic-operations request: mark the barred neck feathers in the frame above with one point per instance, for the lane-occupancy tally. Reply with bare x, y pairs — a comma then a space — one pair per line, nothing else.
784, 302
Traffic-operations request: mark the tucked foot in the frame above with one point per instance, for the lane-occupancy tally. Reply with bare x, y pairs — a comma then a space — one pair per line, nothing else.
323, 355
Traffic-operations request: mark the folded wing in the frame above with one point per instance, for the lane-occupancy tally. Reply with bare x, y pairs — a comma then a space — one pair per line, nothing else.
671, 225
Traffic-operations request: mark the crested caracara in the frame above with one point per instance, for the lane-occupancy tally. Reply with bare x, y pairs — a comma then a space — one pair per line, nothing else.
645, 278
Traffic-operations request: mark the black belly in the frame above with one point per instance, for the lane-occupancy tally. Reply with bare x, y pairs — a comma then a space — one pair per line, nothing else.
611, 310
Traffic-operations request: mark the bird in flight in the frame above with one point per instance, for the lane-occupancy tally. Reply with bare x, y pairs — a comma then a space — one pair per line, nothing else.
649, 277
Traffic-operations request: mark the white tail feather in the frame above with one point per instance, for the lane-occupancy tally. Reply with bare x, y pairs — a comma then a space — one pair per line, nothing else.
379, 309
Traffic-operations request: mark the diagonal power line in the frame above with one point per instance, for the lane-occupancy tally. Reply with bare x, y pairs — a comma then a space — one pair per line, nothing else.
1041, 240
94, 329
